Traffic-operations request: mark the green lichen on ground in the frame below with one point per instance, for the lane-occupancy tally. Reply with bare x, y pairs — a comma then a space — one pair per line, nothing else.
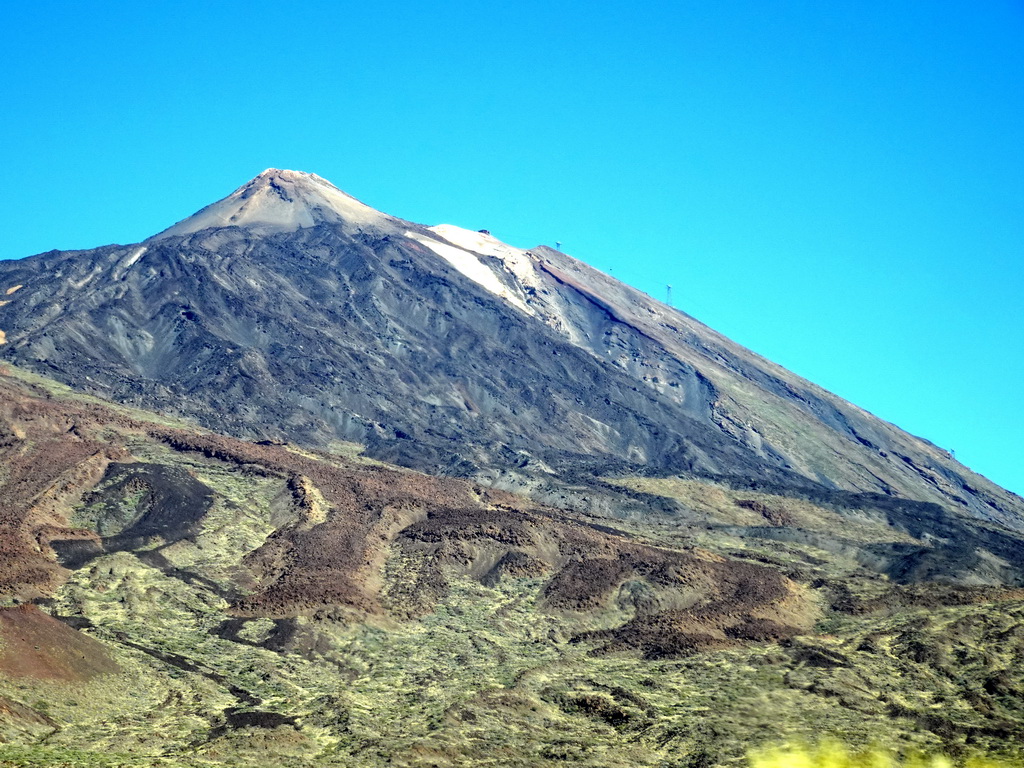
490, 678
473, 675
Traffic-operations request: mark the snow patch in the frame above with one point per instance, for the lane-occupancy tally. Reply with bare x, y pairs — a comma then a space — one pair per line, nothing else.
517, 261
469, 264
134, 257
480, 242
118, 272
120, 268
525, 270
80, 284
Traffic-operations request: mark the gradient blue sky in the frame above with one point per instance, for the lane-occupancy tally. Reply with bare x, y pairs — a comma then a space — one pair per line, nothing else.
839, 186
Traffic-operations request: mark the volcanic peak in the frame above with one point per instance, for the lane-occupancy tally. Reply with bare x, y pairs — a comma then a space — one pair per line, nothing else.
282, 201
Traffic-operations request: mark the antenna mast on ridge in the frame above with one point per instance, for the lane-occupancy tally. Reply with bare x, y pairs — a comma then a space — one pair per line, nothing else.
668, 295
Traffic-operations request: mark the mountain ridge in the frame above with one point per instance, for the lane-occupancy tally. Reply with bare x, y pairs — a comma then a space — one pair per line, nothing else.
395, 331
297, 490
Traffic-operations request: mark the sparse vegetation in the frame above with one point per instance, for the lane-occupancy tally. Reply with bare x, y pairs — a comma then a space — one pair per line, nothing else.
832, 754
482, 630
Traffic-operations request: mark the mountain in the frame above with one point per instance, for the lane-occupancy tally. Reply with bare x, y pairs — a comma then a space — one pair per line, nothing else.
298, 483
290, 310
172, 596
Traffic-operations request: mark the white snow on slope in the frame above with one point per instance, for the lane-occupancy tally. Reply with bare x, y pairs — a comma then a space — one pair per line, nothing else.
128, 262
479, 242
516, 260
522, 264
469, 264
134, 257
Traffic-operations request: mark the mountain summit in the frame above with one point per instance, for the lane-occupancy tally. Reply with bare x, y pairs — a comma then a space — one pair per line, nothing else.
281, 201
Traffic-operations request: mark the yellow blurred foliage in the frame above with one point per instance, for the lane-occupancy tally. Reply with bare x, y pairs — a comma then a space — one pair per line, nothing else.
831, 754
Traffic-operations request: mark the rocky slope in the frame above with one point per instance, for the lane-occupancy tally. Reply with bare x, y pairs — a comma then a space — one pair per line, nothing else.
411, 496
177, 597
291, 310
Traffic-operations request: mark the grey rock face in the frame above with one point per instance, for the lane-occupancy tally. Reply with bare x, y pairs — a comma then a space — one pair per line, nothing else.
290, 310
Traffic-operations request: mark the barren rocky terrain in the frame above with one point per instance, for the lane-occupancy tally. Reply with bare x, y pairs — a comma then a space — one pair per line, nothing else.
304, 318
181, 597
296, 483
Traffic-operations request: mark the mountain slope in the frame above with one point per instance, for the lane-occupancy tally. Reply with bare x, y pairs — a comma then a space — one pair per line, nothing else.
708, 552
202, 600
289, 309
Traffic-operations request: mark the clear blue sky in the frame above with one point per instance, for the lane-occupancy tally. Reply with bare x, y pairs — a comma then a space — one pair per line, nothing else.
839, 186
